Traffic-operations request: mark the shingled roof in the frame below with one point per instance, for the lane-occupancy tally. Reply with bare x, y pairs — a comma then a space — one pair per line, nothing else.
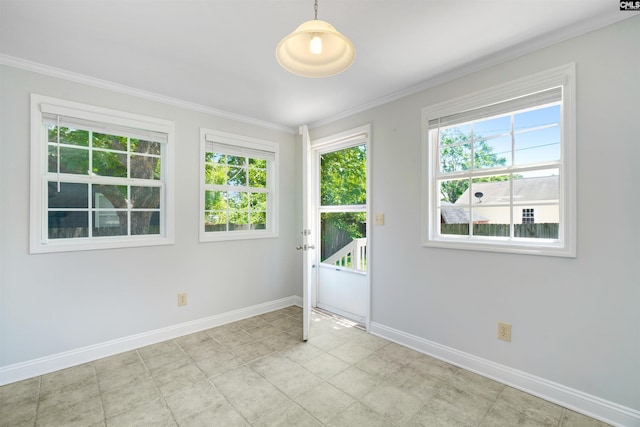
530, 189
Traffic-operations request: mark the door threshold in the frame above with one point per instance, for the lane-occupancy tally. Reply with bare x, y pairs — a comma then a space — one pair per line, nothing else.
339, 318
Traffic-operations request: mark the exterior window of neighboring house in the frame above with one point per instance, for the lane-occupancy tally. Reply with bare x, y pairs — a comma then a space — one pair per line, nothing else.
238, 182
528, 216
493, 158
99, 178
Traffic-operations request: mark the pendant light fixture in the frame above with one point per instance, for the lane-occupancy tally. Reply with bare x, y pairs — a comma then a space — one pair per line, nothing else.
315, 49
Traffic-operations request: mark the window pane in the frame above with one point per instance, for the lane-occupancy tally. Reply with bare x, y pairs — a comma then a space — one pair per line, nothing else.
537, 146
537, 221
535, 118
72, 160
454, 220
69, 196
145, 223
110, 142
236, 160
343, 177
492, 190
215, 174
110, 196
145, 197
238, 201
116, 225
68, 224
451, 190
214, 157
491, 221
258, 201
239, 220
68, 136
148, 147
215, 221
145, 167
455, 158
257, 177
109, 164
490, 127
215, 200
258, 220
344, 239
490, 153
258, 163
236, 176
455, 134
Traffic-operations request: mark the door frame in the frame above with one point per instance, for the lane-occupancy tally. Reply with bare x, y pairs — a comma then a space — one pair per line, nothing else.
358, 135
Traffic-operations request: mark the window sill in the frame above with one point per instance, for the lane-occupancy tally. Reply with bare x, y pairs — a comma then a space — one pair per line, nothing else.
509, 246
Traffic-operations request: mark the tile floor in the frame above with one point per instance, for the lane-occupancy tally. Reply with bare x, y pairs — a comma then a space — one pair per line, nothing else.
258, 372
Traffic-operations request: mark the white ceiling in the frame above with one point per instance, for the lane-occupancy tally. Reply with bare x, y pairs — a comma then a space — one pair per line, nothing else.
220, 54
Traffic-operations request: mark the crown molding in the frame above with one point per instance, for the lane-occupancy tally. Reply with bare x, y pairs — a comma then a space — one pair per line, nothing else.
59, 73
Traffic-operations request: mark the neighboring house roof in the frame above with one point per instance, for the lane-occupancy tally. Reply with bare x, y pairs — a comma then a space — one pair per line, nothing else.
452, 214
525, 189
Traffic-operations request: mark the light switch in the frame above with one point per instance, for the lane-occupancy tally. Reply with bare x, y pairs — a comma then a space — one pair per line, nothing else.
378, 219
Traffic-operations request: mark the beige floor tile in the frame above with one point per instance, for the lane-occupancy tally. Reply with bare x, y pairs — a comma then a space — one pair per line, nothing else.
397, 353
59, 379
237, 380
117, 361
573, 419
302, 352
272, 364
68, 395
19, 412
392, 402
352, 351
326, 365
250, 323
127, 376
151, 414
194, 399
252, 351
124, 399
422, 387
282, 341
327, 341
263, 331
154, 350
376, 365
359, 415
324, 401
272, 315
20, 391
219, 363
355, 382
158, 361
514, 407
234, 339
222, 331
83, 412
195, 339
294, 382
204, 349
427, 365
222, 415
254, 402
172, 380
288, 415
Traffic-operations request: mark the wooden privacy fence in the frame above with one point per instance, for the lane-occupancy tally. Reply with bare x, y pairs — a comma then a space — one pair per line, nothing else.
547, 230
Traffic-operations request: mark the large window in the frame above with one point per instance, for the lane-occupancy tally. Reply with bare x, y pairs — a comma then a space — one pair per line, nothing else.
238, 187
494, 158
100, 178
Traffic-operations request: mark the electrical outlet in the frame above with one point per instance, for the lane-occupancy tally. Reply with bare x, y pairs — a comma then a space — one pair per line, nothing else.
378, 219
504, 331
182, 299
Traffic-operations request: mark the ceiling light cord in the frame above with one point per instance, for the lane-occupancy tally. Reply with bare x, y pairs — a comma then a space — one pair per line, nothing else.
315, 8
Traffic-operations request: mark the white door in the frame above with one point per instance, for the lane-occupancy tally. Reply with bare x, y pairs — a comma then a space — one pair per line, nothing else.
308, 239
341, 208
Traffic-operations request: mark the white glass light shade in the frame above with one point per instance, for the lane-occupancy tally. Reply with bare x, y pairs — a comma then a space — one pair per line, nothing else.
294, 51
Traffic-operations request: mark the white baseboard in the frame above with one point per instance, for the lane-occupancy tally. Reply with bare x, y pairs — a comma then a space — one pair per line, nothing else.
54, 362
576, 400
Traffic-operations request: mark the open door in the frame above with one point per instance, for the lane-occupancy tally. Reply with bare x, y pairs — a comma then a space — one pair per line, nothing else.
308, 239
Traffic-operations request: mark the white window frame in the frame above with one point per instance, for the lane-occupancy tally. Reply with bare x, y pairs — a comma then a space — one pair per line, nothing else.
565, 245
240, 144
40, 176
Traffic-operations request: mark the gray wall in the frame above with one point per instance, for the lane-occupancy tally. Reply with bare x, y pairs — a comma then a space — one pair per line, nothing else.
575, 321
51, 303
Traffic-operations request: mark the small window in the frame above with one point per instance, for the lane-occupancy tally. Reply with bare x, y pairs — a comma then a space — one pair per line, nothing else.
238, 187
494, 158
528, 216
100, 178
